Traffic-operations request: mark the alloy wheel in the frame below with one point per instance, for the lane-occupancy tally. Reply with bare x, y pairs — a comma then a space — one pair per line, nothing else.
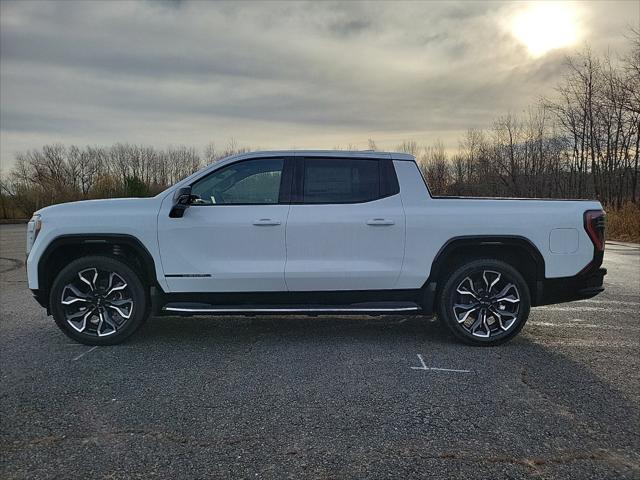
97, 303
486, 303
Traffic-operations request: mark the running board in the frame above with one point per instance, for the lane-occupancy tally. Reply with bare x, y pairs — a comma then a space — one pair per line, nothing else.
360, 308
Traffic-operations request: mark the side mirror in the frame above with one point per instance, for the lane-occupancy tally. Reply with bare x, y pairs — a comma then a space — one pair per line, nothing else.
181, 201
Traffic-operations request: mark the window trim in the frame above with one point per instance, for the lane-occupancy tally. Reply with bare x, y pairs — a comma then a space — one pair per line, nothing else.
388, 186
284, 193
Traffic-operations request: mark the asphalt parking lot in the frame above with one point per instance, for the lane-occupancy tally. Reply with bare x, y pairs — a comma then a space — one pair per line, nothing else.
325, 397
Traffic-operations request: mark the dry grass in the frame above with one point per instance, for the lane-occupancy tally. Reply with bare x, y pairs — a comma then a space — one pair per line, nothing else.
624, 224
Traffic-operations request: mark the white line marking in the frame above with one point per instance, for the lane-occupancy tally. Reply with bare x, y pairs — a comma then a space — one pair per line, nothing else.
588, 344
619, 302
84, 353
424, 367
449, 370
584, 325
580, 308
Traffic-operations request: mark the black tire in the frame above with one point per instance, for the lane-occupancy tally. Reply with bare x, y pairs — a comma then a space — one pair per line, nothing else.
84, 303
500, 320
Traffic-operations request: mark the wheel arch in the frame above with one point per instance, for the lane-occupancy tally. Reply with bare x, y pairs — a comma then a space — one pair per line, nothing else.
66, 248
517, 251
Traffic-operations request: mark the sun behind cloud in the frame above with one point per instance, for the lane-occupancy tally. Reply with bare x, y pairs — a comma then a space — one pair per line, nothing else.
546, 26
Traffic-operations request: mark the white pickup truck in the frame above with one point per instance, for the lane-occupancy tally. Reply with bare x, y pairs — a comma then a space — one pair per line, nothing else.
311, 232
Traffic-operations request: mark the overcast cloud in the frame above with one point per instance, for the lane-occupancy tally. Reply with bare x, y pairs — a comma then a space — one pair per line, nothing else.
273, 75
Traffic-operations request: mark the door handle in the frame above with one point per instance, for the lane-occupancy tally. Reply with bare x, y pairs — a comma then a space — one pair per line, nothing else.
380, 221
265, 222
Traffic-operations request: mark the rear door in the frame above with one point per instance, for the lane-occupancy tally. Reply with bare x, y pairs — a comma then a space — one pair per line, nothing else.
346, 225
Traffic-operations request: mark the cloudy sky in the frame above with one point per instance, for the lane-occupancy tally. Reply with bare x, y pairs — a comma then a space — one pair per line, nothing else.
282, 75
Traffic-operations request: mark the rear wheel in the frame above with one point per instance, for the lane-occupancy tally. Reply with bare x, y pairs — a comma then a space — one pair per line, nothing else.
98, 301
485, 302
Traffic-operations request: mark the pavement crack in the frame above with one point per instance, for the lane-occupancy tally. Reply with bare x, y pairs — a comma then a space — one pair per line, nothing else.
14, 264
535, 462
561, 409
50, 440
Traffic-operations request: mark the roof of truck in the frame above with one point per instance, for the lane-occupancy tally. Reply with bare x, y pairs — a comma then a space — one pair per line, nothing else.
325, 153
355, 154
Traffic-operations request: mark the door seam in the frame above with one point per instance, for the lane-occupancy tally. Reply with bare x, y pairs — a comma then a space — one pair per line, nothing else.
404, 242
286, 253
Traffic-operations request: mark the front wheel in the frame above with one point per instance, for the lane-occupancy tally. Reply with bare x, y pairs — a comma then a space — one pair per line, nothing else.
98, 300
485, 302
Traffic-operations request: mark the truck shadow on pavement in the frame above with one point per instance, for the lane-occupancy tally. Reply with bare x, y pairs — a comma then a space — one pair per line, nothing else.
526, 406
557, 414
319, 328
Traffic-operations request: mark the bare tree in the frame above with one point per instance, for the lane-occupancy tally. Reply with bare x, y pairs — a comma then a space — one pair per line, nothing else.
210, 153
409, 146
436, 168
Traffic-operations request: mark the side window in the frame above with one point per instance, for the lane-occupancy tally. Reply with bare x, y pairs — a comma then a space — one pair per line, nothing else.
329, 180
254, 182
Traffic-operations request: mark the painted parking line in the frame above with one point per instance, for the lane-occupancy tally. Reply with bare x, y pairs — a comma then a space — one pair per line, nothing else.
581, 308
583, 325
423, 366
612, 302
84, 353
588, 344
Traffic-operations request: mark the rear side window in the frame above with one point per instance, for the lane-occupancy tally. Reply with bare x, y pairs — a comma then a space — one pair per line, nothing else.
340, 180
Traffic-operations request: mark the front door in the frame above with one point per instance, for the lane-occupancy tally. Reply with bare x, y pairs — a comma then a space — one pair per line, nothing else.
232, 237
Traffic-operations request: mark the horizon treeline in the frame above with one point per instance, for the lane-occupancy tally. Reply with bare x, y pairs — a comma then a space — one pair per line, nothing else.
581, 142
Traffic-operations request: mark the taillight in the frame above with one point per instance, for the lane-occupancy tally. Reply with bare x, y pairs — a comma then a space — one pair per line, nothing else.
594, 221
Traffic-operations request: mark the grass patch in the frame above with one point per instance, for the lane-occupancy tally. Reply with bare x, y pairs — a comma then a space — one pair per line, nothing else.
624, 224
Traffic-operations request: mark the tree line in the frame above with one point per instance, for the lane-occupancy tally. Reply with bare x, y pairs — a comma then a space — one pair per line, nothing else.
56, 173
581, 142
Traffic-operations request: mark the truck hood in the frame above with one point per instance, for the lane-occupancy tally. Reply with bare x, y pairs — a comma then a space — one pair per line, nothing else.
90, 207
136, 217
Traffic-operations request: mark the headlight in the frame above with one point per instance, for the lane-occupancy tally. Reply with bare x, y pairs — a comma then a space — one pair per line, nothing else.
33, 229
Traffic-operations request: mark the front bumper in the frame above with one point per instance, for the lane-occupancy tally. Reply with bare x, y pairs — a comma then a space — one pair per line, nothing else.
579, 287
